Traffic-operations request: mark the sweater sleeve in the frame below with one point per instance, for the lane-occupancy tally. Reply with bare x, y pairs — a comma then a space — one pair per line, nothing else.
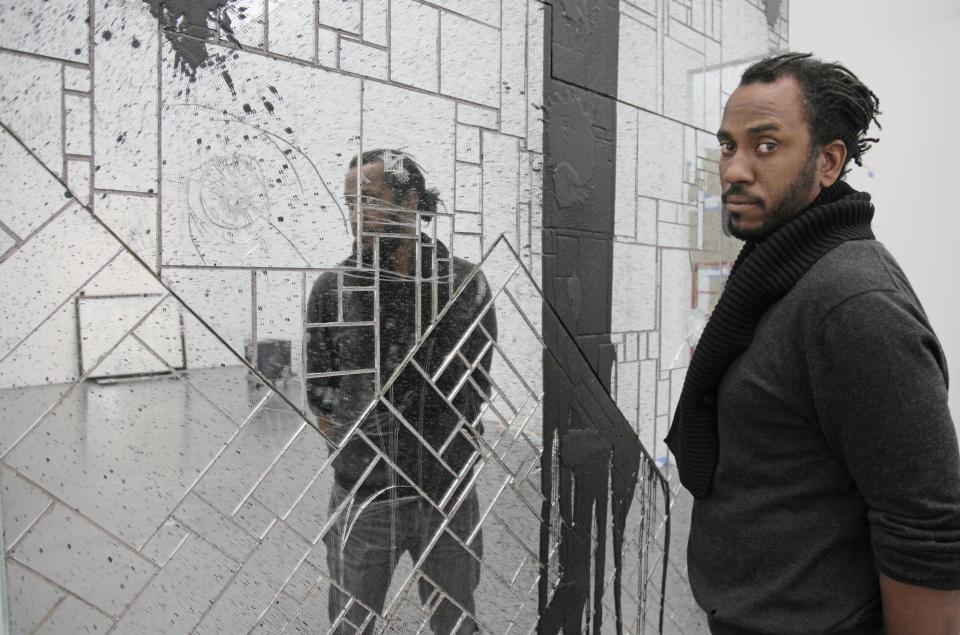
879, 385
475, 344
322, 353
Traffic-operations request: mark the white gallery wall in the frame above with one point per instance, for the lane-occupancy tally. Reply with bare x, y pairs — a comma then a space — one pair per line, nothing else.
908, 57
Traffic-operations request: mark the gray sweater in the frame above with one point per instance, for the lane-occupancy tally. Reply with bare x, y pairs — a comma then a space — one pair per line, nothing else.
837, 457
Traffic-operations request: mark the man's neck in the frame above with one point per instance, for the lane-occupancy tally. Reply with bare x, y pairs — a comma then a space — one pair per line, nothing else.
404, 257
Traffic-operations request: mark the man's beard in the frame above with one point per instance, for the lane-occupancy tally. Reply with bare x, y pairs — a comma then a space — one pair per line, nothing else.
792, 203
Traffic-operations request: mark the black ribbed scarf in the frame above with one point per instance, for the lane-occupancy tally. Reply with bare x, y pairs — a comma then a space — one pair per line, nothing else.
762, 274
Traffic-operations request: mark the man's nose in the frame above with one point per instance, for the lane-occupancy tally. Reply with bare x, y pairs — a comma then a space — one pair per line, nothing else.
738, 169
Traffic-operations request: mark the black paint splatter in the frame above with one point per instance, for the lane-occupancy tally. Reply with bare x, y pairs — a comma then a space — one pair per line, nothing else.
197, 19
273, 90
247, 109
107, 35
268, 106
597, 449
773, 12
135, 43
288, 130
227, 78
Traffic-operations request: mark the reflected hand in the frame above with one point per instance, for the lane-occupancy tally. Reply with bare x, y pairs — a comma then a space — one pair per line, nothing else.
325, 425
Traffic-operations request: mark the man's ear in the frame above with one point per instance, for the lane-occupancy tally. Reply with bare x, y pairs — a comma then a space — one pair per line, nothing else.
832, 157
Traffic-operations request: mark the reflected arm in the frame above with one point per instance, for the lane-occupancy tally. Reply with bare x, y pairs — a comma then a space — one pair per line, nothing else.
321, 353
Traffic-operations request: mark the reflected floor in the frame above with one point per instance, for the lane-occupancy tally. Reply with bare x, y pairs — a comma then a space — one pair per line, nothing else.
203, 492
203, 480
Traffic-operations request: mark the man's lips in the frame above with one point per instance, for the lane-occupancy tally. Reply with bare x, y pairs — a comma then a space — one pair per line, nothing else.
738, 204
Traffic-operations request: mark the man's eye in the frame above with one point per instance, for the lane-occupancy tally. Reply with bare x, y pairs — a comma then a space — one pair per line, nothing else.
726, 147
766, 147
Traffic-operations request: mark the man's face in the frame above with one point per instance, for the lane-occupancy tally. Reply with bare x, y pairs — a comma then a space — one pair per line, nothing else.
381, 214
768, 170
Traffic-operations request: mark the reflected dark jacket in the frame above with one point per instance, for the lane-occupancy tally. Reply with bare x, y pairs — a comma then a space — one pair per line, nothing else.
342, 342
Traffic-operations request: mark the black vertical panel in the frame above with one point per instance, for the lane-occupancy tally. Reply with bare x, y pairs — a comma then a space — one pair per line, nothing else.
580, 86
597, 454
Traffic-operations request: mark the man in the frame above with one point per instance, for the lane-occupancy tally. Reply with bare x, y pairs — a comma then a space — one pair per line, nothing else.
813, 427
404, 462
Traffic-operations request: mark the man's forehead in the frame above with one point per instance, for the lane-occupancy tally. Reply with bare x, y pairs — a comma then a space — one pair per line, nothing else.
759, 105
372, 173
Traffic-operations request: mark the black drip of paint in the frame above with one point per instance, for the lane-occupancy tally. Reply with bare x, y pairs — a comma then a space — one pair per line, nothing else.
186, 24
229, 80
599, 459
773, 12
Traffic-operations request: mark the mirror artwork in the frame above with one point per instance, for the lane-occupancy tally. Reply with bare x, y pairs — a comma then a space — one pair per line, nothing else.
288, 343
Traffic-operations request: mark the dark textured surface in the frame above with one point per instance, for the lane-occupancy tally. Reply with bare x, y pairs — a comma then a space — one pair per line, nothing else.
598, 452
599, 460
584, 45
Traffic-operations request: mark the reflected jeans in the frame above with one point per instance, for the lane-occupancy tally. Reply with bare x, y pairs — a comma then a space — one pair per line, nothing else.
365, 543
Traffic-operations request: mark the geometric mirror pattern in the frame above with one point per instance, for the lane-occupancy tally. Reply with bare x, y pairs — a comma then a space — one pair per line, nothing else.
239, 393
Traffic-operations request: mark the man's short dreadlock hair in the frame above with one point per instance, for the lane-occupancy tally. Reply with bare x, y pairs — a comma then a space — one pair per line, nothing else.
836, 103
409, 178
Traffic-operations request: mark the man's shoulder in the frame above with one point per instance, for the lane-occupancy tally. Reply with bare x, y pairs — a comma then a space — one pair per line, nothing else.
462, 270
853, 268
462, 267
324, 282
329, 279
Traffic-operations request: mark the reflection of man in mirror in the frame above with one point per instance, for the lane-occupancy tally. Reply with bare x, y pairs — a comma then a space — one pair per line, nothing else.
813, 427
404, 465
